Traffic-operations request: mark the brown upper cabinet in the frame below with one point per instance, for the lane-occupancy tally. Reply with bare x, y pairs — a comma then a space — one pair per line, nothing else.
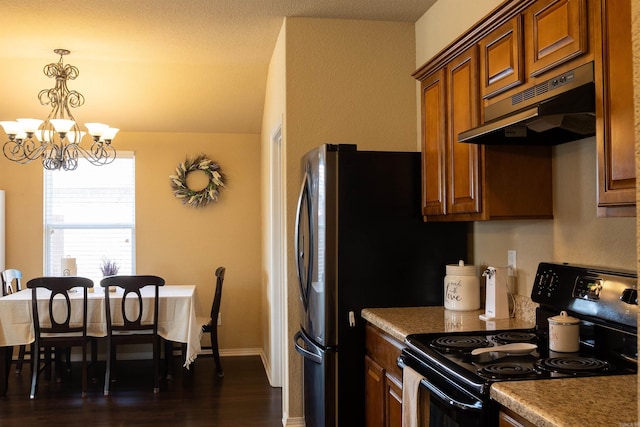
615, 132
434, 172
469, 182
556, 31
517, 47
451, 170
501, 58
463, 162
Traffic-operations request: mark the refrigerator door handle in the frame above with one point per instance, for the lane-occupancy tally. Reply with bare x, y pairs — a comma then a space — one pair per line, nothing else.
313, 356
304, 282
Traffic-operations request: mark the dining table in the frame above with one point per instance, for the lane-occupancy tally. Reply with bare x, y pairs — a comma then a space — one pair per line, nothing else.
178, 318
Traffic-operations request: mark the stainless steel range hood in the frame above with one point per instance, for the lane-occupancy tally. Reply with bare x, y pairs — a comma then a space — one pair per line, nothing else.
558, 110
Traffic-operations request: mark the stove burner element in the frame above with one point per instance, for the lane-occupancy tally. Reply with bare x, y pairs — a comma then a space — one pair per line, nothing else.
573, 365
505, 370
459, 343
514, 336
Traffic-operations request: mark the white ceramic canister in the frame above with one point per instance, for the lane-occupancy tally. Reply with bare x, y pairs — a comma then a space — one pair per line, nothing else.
461, 287
564, 333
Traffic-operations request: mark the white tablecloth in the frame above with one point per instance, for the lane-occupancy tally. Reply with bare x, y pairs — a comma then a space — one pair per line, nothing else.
177, 315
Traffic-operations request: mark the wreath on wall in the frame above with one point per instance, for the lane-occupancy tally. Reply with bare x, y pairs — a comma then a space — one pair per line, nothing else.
199, 198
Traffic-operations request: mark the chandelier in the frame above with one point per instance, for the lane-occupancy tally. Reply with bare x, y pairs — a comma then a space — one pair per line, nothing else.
57, 139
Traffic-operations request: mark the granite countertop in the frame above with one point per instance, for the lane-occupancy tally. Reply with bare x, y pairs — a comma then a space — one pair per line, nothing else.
400, 322
610, 400
572, 402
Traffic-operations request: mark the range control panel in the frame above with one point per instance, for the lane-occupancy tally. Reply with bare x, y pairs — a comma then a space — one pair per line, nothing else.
588, 288
589, 291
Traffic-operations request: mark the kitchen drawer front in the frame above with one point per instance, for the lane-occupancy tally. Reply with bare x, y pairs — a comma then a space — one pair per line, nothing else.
384, 349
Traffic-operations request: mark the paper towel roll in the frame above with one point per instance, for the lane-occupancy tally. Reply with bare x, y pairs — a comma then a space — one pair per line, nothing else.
69, 267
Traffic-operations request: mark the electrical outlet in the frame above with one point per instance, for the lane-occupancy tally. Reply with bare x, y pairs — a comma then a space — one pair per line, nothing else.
219, 319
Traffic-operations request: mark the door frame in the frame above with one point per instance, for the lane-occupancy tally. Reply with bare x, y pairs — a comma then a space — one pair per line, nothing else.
277, 257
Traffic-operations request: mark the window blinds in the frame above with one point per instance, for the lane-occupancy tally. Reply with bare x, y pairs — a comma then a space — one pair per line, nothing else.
89, 215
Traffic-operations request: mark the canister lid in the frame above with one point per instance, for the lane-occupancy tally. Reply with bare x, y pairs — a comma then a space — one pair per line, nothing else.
462, 270
563, 319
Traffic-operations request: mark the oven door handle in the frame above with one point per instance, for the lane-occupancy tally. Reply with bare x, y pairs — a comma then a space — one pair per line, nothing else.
473, 405
476, 405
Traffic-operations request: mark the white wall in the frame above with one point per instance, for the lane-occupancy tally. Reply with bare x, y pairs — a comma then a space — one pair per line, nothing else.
273, 116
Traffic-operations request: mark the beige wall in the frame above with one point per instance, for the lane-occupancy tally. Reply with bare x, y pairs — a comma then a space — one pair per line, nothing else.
346, 82
445, 21
181, 244
576, 235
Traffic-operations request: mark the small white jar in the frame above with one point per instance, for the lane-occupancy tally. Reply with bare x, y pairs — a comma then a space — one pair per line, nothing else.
461, 287
564, 333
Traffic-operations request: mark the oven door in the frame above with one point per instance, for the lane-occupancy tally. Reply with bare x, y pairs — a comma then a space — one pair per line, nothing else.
449, 404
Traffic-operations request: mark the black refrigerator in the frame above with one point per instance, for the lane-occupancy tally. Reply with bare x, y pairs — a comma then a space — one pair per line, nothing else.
360, 243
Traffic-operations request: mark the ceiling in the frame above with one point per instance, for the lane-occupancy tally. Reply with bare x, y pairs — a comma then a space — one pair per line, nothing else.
161, 65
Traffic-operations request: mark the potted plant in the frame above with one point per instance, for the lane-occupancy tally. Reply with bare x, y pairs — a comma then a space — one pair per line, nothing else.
109, 268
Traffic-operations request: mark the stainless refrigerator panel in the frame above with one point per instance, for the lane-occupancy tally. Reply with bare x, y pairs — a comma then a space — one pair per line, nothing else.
360, 242
317, 198
320, 382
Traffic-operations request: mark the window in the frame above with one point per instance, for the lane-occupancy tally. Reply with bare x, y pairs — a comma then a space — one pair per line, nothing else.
89, 215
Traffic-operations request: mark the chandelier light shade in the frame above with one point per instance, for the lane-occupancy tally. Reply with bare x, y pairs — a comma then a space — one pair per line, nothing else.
57, 139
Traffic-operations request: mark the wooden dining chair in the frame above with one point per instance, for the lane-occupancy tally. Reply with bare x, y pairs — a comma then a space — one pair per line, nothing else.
12, 282
211, 326
125, 323
53, 325
208, 324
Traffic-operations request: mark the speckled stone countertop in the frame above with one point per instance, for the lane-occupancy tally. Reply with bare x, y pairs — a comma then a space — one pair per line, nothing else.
572, 402
400, 322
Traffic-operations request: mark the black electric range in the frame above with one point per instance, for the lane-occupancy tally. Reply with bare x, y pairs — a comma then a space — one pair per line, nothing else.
459, 383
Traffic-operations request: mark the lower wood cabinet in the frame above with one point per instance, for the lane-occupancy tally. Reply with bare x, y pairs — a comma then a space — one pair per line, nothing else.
383, 379
508, 418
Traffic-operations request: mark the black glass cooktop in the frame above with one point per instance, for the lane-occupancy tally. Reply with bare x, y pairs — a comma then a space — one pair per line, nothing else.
450, 354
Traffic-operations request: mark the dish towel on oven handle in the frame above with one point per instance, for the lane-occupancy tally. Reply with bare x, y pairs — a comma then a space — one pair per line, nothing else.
410, 393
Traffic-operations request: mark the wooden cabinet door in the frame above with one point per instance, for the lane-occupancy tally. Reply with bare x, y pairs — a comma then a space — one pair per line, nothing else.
556, 31
434, 199
501, 58
393, 402
374, 388
616, 153
463, 161
383, 379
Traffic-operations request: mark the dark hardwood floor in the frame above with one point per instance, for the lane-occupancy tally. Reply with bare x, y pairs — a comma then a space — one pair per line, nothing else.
243, 397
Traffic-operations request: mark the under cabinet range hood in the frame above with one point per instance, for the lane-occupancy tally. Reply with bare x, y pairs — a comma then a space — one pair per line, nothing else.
558, 110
